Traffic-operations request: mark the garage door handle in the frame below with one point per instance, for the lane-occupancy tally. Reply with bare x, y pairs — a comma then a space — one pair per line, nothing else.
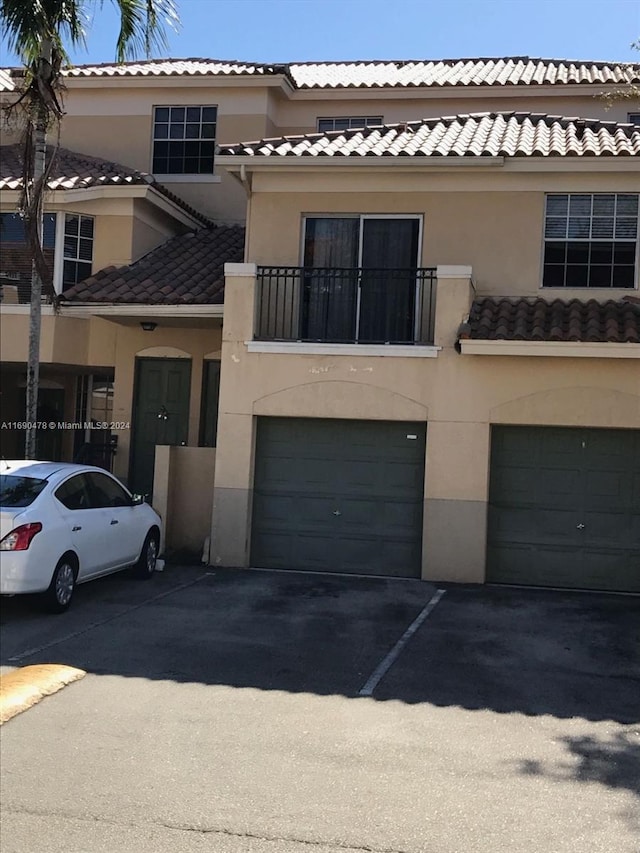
580, 526
77, 527
114, 521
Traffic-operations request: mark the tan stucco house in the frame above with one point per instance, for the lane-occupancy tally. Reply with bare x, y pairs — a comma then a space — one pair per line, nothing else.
423, 358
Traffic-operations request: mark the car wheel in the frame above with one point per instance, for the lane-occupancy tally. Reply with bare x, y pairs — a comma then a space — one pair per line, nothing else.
146, 565
63, 583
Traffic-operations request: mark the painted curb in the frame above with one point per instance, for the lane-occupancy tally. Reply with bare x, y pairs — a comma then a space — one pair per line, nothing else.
22, 688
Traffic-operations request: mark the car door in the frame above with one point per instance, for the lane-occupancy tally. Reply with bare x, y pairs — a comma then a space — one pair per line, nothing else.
123, 534
86, 524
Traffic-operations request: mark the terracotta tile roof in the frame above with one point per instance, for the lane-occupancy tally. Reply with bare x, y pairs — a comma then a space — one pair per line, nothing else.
507, 134
615, 321
187, 270
437, 73
501, 71
72, 171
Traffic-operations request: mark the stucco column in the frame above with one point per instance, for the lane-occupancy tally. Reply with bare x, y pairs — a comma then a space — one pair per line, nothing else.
233, 481
457, 464
454, 295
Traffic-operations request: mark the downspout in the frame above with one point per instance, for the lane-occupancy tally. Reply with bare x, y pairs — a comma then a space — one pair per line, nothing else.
246, 183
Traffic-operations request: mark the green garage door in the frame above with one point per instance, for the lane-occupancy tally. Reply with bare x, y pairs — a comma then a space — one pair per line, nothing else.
339, 496
564, 508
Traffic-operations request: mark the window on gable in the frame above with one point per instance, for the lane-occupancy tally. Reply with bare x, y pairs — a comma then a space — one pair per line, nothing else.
348, 123
78, 248
184, 140
590, 240
633, 118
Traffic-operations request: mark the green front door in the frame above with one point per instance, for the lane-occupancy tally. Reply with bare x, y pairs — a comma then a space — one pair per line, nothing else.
160, 414
339, 496
564, 508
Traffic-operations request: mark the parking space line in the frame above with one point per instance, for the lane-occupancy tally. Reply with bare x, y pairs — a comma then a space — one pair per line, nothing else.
33, 651
387, 662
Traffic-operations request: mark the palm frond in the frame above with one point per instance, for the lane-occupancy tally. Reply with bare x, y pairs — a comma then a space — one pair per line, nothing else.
143, 26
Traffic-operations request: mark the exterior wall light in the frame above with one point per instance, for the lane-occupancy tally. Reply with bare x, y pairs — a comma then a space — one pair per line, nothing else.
148, 325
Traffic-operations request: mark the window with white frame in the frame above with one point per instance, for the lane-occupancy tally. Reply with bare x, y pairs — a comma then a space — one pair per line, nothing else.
348, 123
633, 118
78, 248
590, 240
184, 140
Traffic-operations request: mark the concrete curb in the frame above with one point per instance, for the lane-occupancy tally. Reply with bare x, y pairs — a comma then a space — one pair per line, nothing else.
22, 688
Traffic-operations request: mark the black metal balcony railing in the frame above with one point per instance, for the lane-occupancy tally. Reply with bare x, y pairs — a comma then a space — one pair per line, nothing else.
357, 306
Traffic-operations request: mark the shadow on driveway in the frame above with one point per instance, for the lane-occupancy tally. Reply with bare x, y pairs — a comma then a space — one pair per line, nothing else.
534, 652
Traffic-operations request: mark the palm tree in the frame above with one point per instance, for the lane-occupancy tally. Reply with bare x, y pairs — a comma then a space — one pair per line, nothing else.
41, 32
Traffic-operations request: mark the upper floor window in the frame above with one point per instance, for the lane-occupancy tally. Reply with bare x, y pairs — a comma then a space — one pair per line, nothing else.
184, 140
78, 248
633, 118
590, 240
348, 123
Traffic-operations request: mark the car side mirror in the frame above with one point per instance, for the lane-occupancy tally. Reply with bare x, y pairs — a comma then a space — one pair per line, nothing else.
137, 500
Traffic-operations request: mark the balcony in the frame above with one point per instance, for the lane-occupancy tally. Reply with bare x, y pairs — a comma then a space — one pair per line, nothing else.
345, 305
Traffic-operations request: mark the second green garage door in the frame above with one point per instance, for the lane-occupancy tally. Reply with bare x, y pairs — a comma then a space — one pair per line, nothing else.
564, 508
339, 496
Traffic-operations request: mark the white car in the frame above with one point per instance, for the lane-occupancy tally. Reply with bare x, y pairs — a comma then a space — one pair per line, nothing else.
63, 524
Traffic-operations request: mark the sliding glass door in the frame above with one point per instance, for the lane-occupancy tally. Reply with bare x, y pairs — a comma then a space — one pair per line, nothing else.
360, 278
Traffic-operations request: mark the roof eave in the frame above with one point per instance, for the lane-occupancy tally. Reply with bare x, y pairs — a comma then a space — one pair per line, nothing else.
139, 309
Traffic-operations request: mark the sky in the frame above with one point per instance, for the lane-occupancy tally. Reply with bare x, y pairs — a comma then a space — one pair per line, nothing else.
299, 30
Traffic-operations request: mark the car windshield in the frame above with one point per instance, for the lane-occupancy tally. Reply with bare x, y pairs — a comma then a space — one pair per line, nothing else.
19, 491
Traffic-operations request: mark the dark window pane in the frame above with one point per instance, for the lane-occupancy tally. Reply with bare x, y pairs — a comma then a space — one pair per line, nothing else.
577, 275
555, 252
601, 253
194, 113
191, 165
86, 226
177, 114
604, 204
160, 166
580, 205
192, 131
579, 226
83, 270
12, 228
206, 166
325, 125
161, 149
162, 114
71, 224
86, 250
602, 228
176, 166
71, 247
600, 276
176, 131
207, 149
624, 253
623, 276
578, 253
69, 273
176, 149
627, 204
341, 124
553, 276
626, 228
555, 227
209, 113
208, 131
49, 231
161, 131
557, 205
192, 149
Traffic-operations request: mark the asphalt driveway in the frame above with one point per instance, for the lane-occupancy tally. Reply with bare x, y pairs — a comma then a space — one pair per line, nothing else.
257, 711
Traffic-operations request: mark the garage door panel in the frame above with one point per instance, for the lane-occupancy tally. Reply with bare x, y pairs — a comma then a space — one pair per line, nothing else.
334, 495
563, 507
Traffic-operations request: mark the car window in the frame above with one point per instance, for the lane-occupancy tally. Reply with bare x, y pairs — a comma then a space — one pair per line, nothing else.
106, 492
19, 491
74, 493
